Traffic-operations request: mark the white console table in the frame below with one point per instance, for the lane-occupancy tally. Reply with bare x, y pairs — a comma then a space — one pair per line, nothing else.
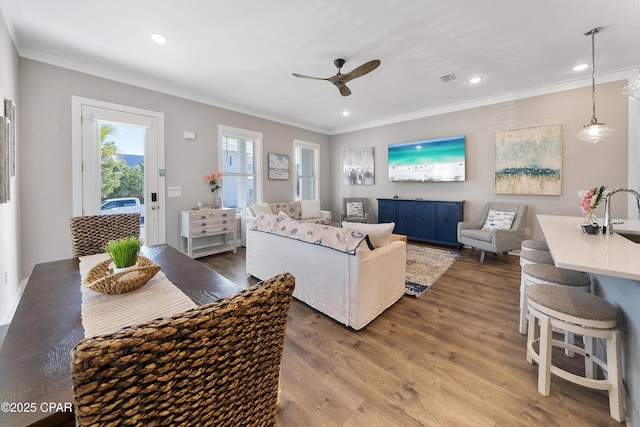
207, 231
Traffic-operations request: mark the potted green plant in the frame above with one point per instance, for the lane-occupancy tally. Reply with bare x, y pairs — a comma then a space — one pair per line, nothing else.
123, 252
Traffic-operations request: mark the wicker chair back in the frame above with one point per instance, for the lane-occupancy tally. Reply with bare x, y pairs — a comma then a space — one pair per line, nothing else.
216, 365
90, 233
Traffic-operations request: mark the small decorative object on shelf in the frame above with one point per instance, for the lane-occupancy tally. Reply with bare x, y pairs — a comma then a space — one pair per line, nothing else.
214, 179
588, 204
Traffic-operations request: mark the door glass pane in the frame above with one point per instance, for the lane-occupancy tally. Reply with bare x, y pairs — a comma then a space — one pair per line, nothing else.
122, 170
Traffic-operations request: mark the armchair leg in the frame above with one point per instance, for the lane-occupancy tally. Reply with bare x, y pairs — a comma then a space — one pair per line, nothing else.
482, 256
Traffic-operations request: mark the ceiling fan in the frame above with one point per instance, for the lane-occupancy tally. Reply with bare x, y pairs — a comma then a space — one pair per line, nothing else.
340, 80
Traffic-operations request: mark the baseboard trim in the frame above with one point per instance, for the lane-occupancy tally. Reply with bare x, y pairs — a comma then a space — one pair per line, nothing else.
14, 303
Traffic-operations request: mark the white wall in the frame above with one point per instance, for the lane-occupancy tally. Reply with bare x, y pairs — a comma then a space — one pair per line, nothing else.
9, 212
46, 93
584, 165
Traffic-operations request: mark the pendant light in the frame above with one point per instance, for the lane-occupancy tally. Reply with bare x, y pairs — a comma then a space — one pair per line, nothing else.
594, 131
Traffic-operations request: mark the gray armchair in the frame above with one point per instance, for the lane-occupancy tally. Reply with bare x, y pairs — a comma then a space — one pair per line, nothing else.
472, 234
354, 209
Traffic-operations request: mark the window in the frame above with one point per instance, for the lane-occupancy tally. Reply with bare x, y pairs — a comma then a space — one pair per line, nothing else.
306, 161
241, 181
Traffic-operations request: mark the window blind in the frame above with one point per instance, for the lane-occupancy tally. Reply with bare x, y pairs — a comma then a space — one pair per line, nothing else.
239, 180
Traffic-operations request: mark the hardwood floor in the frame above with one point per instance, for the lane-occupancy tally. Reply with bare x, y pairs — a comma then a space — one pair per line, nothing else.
452, 357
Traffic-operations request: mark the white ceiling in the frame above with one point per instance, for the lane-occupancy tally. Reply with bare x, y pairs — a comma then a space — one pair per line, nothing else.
240, 54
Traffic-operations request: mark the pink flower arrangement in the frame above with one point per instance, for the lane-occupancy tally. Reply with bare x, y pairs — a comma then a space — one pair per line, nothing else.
591, 200
214, 179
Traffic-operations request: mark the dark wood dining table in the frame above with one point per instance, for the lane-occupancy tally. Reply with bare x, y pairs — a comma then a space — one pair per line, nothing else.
35, 357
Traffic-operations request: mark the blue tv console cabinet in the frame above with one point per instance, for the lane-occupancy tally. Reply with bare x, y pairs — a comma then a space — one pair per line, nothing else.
431, 221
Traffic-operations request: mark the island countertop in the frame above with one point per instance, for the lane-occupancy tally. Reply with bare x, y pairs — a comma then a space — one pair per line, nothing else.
609, 254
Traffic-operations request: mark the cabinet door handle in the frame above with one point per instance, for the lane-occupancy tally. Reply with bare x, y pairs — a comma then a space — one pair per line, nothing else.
203, 217
224, 222
224, 228
203, 232
204, 224
224, 214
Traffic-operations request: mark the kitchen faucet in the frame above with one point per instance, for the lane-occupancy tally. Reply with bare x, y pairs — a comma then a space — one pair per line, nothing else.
607, 226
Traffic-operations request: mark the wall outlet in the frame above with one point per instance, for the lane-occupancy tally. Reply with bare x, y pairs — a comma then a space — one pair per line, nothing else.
527, 232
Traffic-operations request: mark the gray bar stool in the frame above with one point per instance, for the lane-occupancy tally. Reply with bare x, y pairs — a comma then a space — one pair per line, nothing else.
545, 274
570, 309
536, 257
530, 257
534, 245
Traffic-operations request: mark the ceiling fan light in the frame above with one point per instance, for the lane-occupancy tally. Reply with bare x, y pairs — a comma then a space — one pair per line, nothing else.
633, 90
595, 132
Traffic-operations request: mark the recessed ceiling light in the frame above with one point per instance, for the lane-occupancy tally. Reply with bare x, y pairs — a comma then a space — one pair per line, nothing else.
345, 113
580, 67
158, 38
475, 80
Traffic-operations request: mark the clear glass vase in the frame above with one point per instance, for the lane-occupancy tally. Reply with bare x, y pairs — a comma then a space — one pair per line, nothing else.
590, 218
217, 199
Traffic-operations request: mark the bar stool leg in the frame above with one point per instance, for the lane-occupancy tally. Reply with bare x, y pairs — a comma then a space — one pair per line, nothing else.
532, 335
544, 365
569, 339
523, 307
614, 376
589, 366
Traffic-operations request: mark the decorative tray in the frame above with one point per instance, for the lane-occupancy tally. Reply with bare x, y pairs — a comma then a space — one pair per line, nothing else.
101, 278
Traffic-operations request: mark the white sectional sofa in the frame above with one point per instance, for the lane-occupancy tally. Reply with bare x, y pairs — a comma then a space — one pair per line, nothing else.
303, 210
347, 280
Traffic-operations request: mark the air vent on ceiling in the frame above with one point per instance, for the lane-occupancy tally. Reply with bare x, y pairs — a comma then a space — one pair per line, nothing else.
447, 78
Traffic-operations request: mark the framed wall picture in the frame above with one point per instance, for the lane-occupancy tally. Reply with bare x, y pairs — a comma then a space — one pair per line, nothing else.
358, 166
278, 166
10, 114
4, 157
529, 161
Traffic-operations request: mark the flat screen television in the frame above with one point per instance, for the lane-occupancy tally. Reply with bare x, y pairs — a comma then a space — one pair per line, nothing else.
429, 160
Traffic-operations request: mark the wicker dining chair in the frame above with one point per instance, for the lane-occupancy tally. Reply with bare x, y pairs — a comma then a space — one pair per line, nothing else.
216, 365
90, 233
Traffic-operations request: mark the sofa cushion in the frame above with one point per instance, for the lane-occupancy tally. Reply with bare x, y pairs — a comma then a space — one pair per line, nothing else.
477, 234
498, 220
310, 209
379, 234
292, 209
260, 208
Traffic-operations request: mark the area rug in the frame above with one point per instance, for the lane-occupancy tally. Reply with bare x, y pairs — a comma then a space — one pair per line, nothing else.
424, 266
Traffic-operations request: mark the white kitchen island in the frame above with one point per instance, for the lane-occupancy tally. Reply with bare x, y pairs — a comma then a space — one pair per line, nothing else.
613, 262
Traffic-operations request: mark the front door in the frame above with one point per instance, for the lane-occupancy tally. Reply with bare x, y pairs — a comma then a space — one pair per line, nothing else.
119, 164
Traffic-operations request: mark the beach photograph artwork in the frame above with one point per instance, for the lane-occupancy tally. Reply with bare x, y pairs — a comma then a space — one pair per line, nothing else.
431, 160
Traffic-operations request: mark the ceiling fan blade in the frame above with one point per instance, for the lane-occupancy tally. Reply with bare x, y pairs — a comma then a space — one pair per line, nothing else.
344, 90
360, 71
308, 77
